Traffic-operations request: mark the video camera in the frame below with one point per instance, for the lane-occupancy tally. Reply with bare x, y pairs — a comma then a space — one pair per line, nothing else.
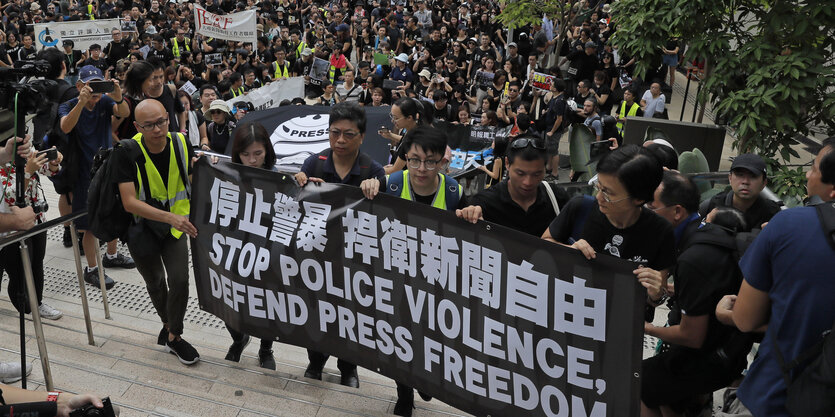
20, 95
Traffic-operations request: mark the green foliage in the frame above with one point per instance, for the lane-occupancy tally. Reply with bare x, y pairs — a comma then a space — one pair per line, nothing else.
771, 71
789, 184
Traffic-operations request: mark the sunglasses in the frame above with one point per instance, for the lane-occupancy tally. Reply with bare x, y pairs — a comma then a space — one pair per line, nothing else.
522, 143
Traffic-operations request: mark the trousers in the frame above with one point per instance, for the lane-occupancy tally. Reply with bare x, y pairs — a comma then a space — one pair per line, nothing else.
165, 272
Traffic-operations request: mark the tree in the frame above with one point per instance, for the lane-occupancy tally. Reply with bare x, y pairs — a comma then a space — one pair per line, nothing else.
519, 13
770, 66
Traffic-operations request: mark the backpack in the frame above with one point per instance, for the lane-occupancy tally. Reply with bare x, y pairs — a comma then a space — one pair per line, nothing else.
812, 392
452, 193
107, 216
319, 167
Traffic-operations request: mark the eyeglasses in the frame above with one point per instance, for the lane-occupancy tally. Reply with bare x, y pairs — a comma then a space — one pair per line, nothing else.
513, 90
522, 143
161, 123
414, 163
347, 134
655, 209
605, 194
394, 118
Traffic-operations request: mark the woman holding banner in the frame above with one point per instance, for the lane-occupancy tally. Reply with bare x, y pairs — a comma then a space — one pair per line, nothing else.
617, 223
251, 147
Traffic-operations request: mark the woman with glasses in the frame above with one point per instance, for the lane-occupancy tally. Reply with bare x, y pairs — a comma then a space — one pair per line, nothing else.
616, 222
252, 147
219, 129
424, 183
406, 114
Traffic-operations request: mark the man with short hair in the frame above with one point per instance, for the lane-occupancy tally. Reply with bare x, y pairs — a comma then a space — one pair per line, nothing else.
116, 49
180, 43
521, 202
747, 179
86, 121
627, 108
95, 59
789, 286
159, 51
342, 163
28, 51
555, 123
704, 354
163, 156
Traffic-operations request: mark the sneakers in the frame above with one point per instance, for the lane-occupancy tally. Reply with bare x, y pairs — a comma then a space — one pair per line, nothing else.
48, 312
184, 351
162, 339
237, 348
120, 261
67, 237
91, 276
10, 372
266, 359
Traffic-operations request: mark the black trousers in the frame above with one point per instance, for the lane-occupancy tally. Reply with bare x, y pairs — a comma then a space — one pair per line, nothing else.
318, 359
237, 336
11, 261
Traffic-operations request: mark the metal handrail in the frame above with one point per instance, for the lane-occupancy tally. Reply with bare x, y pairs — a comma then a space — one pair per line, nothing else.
20, 238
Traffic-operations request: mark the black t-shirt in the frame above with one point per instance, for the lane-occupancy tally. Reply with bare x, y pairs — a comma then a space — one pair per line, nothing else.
436, 49
605, 108
116, 51
649, 242
704, 273
98, 63
498, 207
428, 199
219, 135
126, 167
72, 60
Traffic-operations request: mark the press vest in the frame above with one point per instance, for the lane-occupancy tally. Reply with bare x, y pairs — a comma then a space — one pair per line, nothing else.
90, 13
173, 193
278, 74
446, 198
175, 48
238, 92
632, 111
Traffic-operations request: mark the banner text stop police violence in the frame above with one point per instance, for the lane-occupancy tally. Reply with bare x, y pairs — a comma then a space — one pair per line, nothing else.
498, 340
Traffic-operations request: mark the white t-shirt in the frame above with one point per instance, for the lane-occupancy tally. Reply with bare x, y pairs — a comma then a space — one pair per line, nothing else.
654, 105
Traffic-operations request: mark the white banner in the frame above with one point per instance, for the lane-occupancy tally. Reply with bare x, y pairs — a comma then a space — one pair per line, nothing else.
83, 33
271, 95
234, 26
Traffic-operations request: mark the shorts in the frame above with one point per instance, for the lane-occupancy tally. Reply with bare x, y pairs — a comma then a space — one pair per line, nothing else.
674, 377
552, 144
670, 60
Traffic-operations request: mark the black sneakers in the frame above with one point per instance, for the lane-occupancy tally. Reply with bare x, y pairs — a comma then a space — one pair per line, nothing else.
184, 351
91, 276
67, 237
237, 348
162, 339
266, 359
120, 261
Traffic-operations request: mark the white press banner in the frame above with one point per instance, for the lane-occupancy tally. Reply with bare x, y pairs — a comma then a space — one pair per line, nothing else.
234, 26
83, 33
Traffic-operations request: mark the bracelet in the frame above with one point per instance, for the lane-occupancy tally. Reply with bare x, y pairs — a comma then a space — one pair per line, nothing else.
53, 396
120, 101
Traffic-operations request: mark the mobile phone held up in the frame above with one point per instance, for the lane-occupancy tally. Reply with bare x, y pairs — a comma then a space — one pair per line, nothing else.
51, 153
99, 87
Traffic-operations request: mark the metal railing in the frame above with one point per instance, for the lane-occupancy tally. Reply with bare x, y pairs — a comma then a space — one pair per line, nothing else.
20, 238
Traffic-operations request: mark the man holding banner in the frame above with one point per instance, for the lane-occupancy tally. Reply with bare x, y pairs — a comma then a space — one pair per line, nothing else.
341, 163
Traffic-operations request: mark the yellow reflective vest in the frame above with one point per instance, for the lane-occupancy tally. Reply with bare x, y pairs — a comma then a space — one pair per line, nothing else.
172, 193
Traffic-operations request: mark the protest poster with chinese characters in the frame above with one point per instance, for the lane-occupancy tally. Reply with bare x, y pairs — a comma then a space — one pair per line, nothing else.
542, 81
486, 319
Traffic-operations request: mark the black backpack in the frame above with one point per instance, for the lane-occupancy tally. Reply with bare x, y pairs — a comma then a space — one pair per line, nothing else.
811, 393
108, 219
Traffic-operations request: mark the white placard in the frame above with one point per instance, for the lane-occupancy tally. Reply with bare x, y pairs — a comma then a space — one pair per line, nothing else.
272, 94
83, 33
234, 26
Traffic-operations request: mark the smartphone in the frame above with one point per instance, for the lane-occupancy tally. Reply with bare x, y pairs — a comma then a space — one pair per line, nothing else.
51, 153
101, 86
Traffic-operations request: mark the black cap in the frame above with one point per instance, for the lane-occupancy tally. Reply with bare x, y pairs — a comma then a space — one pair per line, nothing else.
67, 42
750, 162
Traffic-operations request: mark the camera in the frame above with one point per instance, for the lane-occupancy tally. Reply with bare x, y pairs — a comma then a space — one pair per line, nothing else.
90, 410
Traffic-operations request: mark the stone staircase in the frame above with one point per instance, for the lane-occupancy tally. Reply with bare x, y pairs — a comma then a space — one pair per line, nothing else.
139, 376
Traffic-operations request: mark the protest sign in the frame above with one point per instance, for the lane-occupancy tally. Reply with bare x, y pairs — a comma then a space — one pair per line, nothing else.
297, 132
381, 59
189, 88
319, 69
542, 81
470, 145
214, 59
484, 78
83, 33
233, 26
485, 318
272, 94
128, 25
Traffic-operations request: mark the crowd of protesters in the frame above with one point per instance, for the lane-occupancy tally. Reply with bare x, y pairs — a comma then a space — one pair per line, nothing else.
432, 61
